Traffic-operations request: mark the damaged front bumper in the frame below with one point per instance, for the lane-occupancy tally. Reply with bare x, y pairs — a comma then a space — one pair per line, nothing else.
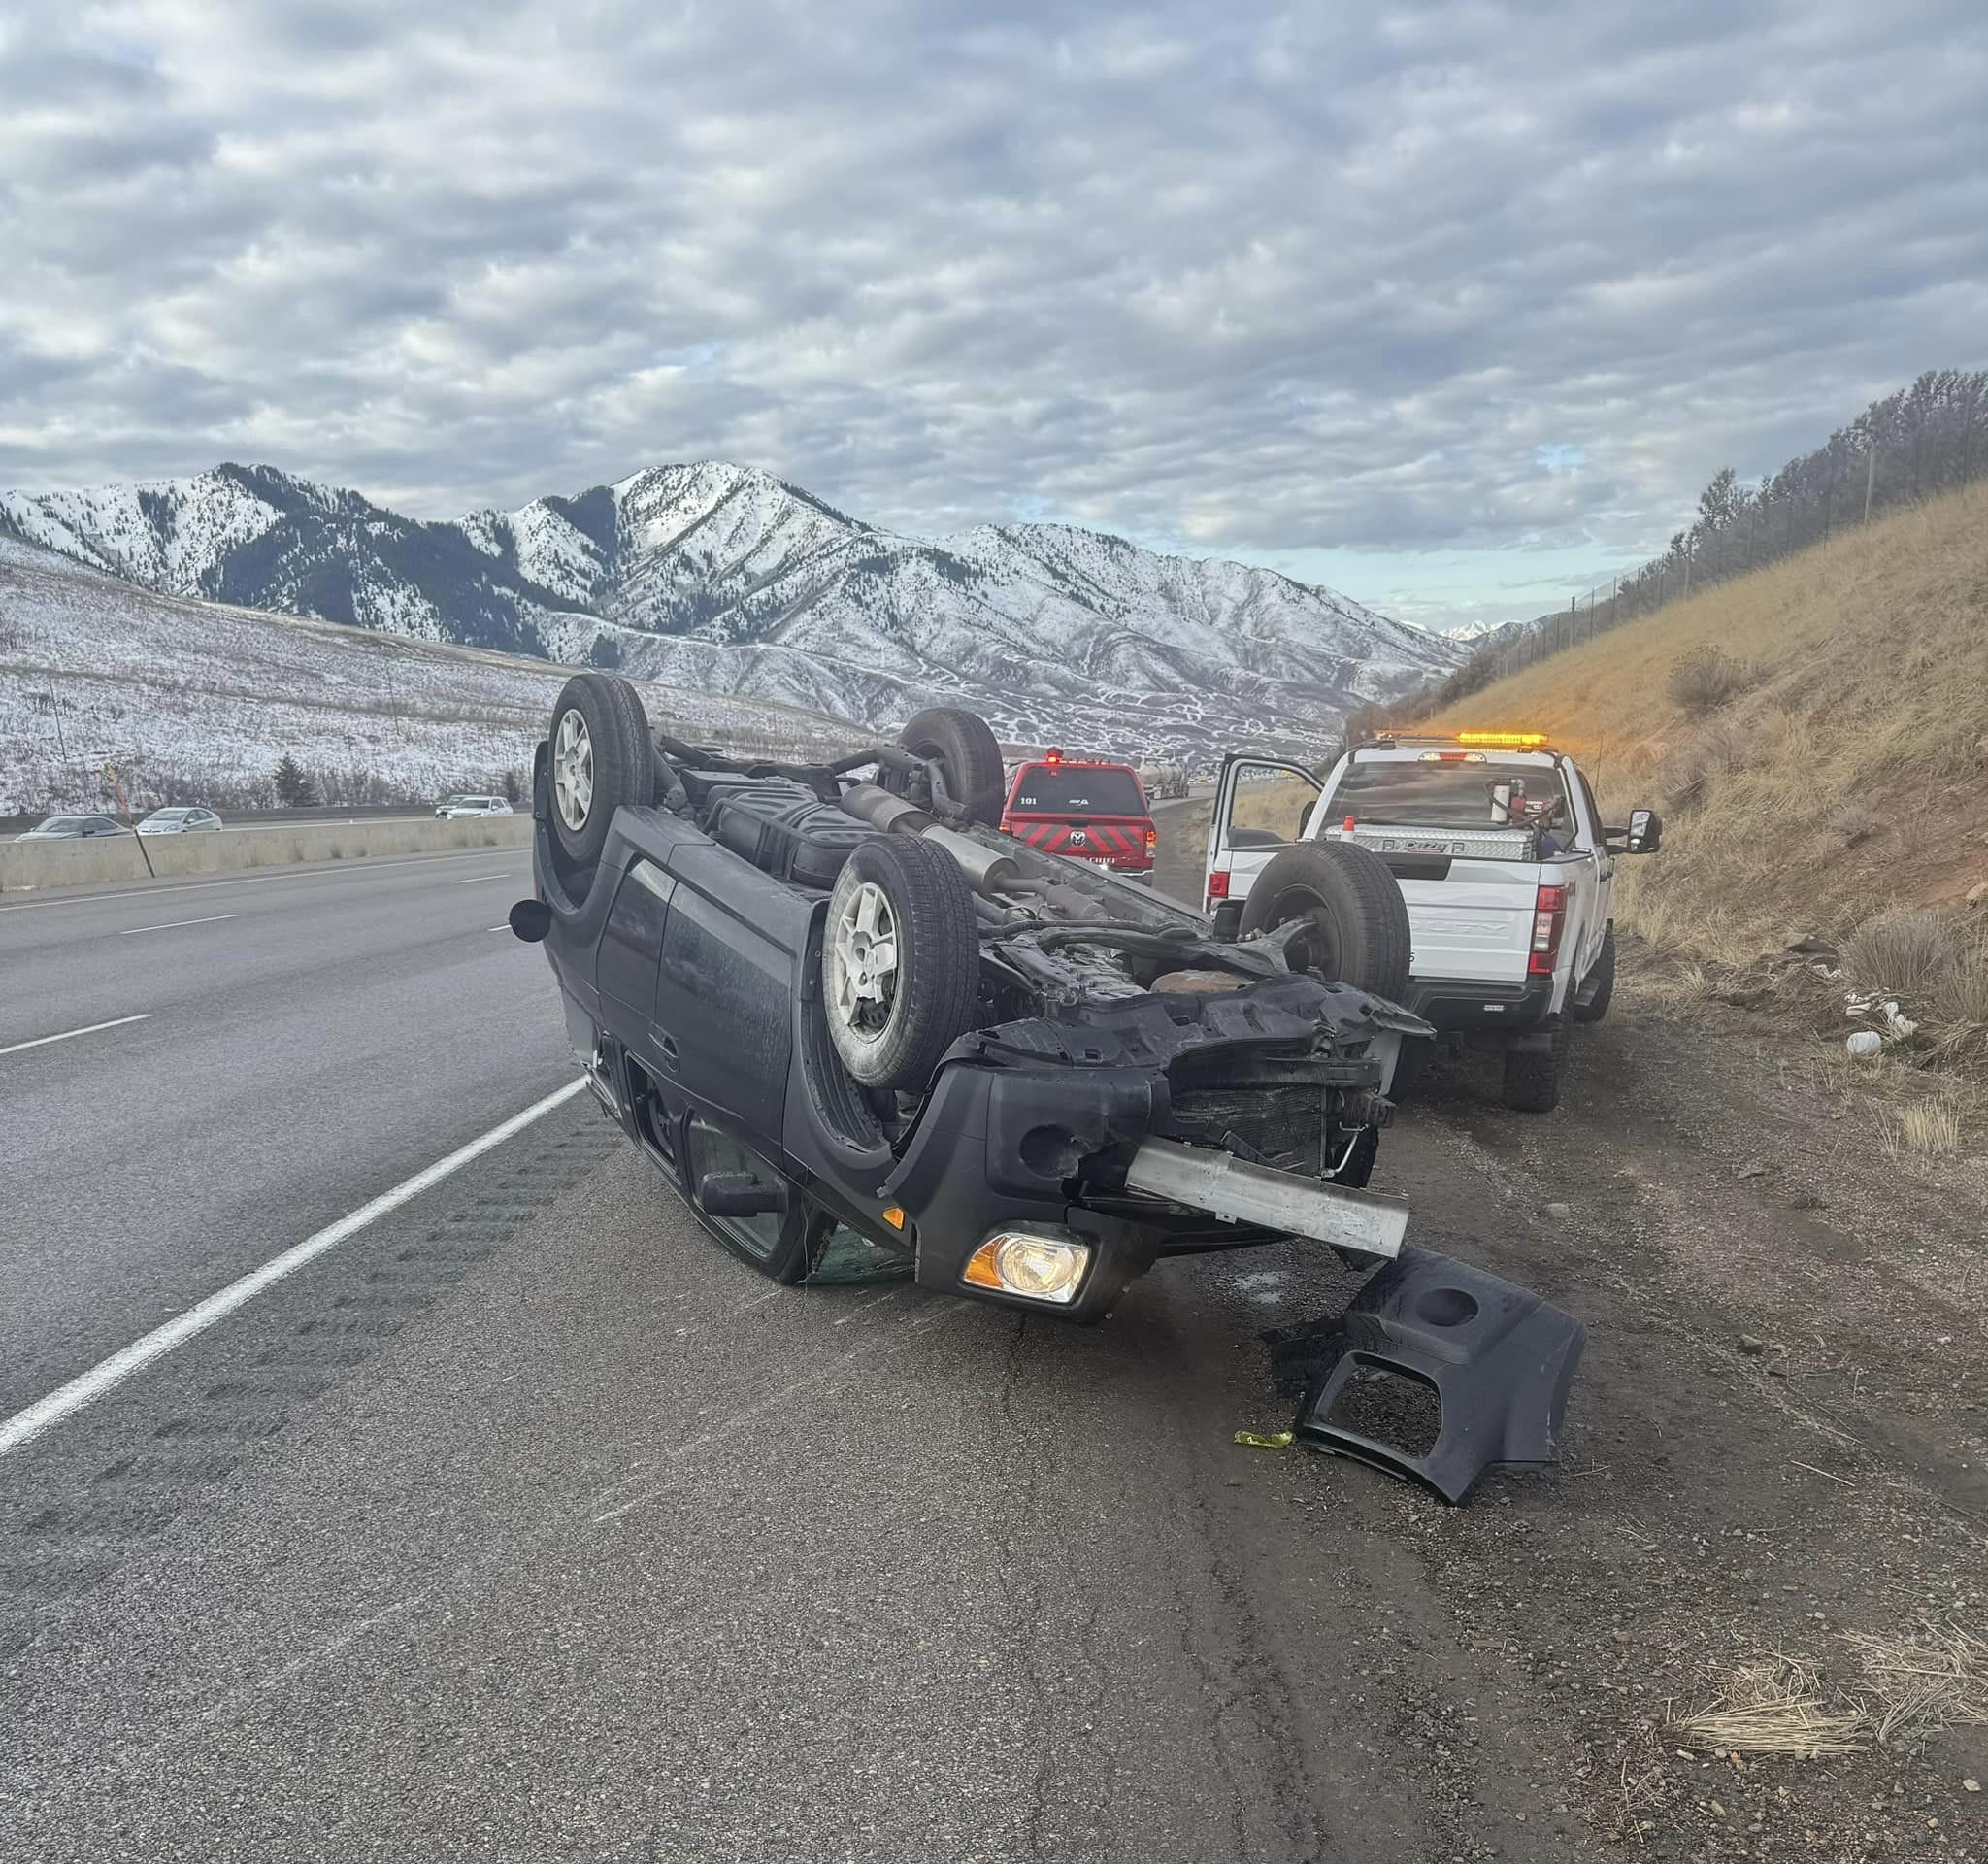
1153, 1125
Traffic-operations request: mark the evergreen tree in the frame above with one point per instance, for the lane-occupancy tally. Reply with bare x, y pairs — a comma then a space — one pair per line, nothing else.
294, 788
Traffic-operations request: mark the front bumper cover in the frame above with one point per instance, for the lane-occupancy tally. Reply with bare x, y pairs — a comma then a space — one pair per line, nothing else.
1498, 1357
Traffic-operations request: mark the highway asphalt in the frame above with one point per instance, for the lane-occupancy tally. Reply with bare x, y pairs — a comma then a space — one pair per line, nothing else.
310, 1036
526, 1523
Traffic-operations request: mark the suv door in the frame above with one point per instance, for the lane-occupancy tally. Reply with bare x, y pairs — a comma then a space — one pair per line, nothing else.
1260, 808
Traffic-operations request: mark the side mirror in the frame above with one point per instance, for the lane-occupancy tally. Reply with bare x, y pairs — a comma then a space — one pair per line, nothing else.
1645, 831
531, 920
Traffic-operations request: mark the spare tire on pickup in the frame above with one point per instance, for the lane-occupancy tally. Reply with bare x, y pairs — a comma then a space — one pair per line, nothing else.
1357, 923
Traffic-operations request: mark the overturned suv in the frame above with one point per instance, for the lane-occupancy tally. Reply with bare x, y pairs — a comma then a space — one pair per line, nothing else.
845, 1018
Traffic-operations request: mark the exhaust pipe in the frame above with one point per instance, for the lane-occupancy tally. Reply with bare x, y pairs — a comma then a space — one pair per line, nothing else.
987, 872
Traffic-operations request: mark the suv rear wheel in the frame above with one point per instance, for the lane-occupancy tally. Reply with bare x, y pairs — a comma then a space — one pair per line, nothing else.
601, 758
964, 746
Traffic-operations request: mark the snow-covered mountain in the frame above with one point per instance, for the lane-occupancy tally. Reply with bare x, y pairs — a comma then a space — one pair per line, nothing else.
195, 702
725, 579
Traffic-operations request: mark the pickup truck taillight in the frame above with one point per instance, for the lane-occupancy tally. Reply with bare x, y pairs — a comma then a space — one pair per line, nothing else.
1217, 886
1549, 914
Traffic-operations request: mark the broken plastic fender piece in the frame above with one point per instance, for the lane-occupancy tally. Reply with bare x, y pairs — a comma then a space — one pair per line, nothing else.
1256, 1439
1498, 1357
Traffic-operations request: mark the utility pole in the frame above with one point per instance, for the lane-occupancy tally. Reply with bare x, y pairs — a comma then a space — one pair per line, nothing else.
1690, 544
1870, 477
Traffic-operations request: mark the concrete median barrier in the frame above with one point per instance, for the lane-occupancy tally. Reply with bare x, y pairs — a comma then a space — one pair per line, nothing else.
25, 865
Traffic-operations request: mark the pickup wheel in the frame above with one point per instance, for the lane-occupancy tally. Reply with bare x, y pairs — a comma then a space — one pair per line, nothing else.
963, 744
1532, 1068
601, 758
1356, 922
900, 962
1601, 979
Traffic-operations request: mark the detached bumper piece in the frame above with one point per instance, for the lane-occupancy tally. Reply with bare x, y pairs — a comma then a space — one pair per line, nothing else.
1497, 1358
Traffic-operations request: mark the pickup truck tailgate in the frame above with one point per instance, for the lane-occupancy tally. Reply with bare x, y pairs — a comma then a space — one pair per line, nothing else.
1476, 922
1472, 916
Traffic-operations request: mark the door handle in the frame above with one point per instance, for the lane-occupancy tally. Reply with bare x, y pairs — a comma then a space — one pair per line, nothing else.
666, 1044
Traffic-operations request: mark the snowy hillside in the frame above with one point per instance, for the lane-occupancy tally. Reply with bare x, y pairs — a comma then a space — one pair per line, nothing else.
726, 580
195, 702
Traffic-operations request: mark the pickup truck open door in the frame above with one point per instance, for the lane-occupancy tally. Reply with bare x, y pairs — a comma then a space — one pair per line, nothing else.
1261, 806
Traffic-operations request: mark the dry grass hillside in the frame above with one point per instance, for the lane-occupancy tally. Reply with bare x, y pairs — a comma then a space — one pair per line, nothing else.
1816, 735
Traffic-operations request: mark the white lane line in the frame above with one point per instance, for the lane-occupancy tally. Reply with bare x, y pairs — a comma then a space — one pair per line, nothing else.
26, 1425
500, 875
87, 1029
173, 925
350, 871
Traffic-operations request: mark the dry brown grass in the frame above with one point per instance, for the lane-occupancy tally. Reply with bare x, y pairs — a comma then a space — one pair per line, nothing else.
1912, 1684
1905, 951
1706, 679
1774, 1706
1936, 963
1933, 1676
1929, 1128
1871, 695
1279, 806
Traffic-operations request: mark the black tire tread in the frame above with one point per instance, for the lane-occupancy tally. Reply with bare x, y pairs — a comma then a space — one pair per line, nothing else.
1367, 890
623, 764
965, 743
1597, 1005
1533, 1074
641, 746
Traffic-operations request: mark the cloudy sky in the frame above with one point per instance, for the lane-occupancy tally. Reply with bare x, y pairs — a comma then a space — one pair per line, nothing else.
1452, 305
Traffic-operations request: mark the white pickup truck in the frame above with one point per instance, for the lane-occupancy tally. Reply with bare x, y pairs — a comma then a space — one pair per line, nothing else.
1501, 857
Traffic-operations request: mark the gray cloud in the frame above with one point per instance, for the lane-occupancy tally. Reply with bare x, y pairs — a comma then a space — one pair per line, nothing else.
1259, 283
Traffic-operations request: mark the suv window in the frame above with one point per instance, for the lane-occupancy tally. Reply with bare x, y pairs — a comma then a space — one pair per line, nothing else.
1057, 789
1419, 795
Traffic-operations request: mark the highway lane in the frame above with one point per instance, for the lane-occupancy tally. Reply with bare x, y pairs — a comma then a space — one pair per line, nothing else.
308, 1037
527, 1522
531, 1524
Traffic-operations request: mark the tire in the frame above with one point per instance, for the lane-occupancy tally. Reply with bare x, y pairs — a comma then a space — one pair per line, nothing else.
890, 1030
964, 745
1533, 1070
1359, 920
1603, 978
600, 760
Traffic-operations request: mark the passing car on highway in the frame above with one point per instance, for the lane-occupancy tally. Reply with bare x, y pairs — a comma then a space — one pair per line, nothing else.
1083, 808
72, 828
179, 822
451, 805
1501, 853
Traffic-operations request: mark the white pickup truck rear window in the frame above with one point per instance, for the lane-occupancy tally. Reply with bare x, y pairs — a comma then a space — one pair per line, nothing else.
1450, 795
